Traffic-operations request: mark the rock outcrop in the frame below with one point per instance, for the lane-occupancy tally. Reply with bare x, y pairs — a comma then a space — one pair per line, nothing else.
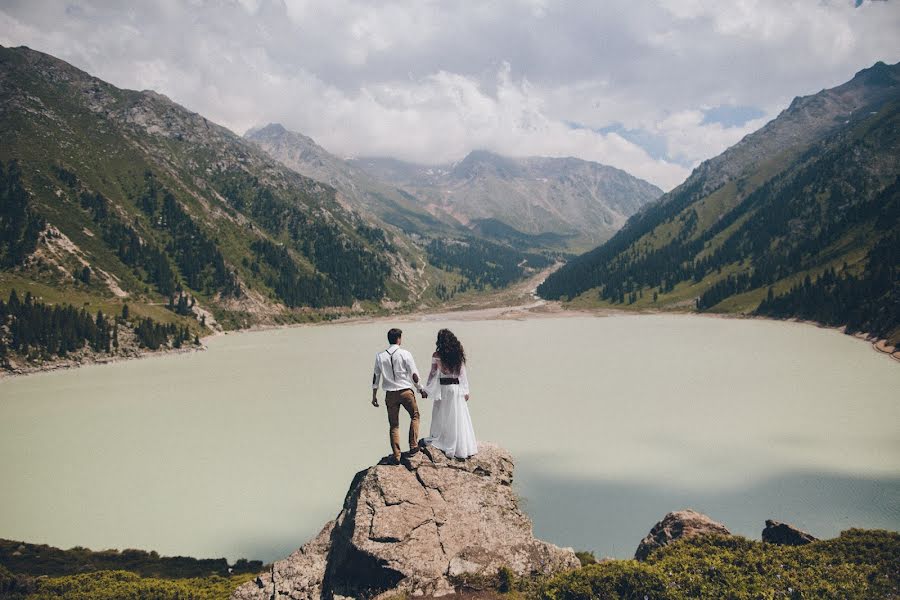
677, 525
785, 535
416, 528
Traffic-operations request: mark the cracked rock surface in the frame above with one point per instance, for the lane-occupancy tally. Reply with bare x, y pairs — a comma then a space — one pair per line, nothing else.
414, 528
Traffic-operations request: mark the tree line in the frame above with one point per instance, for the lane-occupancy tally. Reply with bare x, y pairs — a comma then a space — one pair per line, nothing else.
295, 287
482, 263
20, 225
197, 257
868, 302
36, 330
349, 269
782, 228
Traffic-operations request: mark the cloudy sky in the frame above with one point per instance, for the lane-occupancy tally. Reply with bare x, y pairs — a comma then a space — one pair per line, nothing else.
650, 86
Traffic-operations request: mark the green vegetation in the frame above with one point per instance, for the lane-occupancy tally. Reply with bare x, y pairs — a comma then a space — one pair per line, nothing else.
166, 210
39, 571
481, 264
123, 585
858, 565
349, 268
41, 559
868, 302
19, 225
836, 202
36, 331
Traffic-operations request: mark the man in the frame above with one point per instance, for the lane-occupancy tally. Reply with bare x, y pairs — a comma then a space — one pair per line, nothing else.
396, 371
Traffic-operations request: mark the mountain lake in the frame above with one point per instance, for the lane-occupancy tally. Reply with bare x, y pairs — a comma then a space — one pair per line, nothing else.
247, 449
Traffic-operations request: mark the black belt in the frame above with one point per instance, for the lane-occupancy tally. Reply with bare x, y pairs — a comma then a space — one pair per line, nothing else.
449, 380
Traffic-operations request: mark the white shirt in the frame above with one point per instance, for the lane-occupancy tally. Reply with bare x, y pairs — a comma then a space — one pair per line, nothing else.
394, 369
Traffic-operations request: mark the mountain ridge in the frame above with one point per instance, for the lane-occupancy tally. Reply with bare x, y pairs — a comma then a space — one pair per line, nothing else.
579, 201
135, 183
799, 198
546, 202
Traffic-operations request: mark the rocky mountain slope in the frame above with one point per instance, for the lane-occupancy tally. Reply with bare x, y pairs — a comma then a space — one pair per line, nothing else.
157, 202
357, 187
452, 256
801, 218
553, 202
418, 528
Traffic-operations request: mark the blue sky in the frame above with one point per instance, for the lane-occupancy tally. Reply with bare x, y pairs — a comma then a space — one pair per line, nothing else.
650, 86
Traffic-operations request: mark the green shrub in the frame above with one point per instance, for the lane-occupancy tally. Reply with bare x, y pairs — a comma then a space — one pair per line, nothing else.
506, 580
857, 565
738, 569
878, 549
613, 580
586, 558
122, 585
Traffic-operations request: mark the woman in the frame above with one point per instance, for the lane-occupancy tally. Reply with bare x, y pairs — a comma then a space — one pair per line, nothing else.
448, 386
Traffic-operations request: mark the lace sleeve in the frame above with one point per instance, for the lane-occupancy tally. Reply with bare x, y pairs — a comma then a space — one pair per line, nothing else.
463, 379
433, 385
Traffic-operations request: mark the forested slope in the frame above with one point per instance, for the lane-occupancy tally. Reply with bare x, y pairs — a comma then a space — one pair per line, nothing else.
799, 219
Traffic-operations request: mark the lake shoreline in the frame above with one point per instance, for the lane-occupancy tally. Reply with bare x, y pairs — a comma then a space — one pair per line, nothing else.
536, 309
91, 360
543, 309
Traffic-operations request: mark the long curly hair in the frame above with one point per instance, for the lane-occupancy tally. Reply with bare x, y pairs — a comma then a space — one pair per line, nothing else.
450, 351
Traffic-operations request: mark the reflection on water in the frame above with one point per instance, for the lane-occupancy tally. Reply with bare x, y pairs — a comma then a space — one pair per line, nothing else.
247, 449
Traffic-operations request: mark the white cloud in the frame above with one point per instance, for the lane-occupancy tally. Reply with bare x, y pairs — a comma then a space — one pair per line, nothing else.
430, 81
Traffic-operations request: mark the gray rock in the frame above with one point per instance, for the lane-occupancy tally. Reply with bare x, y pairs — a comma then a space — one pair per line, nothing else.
677, 525
413, 528
785, 535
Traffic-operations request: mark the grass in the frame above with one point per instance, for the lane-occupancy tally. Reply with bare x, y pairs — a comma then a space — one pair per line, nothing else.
123, 585
680, 299
858, 565
89, 300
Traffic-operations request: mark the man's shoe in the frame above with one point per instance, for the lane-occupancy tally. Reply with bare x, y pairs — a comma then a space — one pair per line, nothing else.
413, 451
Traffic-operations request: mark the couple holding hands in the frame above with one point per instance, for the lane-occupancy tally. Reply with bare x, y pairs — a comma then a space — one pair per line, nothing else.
447, 386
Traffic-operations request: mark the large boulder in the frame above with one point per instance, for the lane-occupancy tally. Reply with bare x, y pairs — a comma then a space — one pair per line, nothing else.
677, 525
785, 535
416, 528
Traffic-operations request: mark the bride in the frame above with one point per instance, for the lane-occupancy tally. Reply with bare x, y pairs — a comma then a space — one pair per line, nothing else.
448, 386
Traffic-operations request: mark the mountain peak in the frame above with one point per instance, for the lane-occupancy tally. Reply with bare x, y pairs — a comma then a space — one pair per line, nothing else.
266, 130
479, 161
880, 74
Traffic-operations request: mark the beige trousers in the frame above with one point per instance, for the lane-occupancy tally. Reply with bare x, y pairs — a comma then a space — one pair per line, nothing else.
393, 401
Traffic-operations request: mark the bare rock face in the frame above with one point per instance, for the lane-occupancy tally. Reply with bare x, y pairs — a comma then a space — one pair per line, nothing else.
785, 535
677, 525
414, 528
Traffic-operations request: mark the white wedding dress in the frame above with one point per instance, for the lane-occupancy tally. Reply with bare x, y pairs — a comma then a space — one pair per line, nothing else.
451, 425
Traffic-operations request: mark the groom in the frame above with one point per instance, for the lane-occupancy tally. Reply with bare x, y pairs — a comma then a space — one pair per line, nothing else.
396, 371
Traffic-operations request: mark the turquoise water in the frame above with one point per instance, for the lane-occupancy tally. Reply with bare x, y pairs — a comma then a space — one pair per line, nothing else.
247, 449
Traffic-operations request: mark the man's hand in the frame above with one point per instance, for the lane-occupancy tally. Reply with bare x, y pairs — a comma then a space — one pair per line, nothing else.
467, 397
423, 393
374, 400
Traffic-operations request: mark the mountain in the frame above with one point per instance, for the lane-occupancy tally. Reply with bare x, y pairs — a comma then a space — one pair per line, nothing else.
565, 203
450, 257
801, 218
355, 186
113, 196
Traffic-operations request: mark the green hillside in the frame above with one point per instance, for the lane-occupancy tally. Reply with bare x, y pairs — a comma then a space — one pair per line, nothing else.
111, 197
801, 219
156, 201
